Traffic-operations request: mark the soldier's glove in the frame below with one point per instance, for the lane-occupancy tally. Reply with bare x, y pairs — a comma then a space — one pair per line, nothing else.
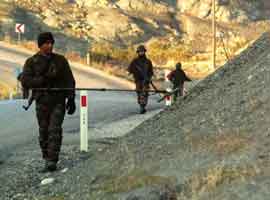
71, 106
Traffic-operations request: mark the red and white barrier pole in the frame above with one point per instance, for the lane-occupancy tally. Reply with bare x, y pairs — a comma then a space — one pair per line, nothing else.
168, 99
83, 121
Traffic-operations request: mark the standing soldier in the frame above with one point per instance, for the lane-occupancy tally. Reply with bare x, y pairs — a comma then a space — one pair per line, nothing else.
46, 69
178, 78
142, 70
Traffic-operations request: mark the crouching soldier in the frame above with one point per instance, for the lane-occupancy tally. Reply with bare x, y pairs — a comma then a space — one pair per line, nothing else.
178, 78
46, 69
142, 70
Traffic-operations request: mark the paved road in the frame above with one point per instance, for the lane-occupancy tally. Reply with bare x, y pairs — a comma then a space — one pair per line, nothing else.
19, 128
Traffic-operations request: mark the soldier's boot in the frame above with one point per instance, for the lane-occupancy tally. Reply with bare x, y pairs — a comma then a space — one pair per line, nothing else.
174, 98
142, 109
54, 146
43, 142
49, 166
45, 168
44, 154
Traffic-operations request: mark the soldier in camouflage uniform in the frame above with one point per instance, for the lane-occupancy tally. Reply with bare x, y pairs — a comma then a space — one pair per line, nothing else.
142, 70
178, 77
46, 69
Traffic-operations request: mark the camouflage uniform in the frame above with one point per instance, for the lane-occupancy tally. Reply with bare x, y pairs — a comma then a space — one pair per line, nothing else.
142, 70
178, 78
43, 72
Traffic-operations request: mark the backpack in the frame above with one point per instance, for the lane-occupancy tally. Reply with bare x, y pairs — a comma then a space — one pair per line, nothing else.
171, 76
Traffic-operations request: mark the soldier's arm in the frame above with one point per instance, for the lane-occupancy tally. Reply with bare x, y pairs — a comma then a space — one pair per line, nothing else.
70, 81
28, 78
150, 71
131, 67
187, 78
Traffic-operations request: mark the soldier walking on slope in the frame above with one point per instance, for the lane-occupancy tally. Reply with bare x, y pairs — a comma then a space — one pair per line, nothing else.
46, 69
142, 70
178, 78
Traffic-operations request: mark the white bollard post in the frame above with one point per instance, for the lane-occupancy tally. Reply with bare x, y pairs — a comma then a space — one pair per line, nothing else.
88, 58
11, 95
168, 99
166, 73
84, 121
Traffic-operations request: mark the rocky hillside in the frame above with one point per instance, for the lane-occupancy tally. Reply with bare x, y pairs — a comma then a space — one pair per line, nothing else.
212, 144
172, 29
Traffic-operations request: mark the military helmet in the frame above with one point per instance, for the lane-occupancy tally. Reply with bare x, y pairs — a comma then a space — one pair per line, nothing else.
44, 37
141, 48
178, 65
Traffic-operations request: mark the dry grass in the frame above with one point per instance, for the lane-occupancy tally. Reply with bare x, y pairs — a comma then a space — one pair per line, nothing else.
4, 91
163, 50
135, 180
104, 52
206, 181
222, 144
31, 45
5, 8
56, 198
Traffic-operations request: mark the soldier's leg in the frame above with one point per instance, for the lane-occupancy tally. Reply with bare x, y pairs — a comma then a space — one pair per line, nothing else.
140, 96
42, 113
55, 132
181, 90
143, 99
146, 94
139, 88
142, 103
175, 94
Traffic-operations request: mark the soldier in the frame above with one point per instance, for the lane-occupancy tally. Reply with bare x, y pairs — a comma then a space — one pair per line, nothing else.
142, 70
178, 78
46, 69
